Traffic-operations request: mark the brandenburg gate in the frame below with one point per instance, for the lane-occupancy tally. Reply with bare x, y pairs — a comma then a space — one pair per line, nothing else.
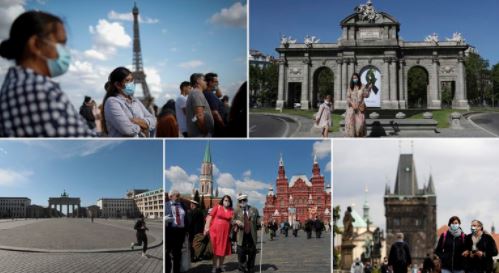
67, 201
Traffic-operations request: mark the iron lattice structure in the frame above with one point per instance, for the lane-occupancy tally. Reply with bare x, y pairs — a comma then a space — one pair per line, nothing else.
138, 74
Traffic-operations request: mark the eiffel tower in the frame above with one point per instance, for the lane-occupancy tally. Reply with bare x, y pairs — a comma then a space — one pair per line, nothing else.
138, 74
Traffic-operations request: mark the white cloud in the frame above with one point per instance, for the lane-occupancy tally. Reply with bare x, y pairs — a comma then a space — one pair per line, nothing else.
173, 49
322, 149
234, 16
10, 178
82, 148
191, 64
128, 16
247, 173
226, 180
9, 11
180, 180
107, 37
328, 167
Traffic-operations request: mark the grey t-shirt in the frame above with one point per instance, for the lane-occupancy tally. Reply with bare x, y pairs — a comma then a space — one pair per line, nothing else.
196, 99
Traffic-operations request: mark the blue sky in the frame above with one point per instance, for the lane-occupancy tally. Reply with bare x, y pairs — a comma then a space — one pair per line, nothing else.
178, 38
476, 20
39, 169
243, 166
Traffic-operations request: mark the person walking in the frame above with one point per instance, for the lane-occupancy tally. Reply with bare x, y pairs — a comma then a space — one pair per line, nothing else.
31, 103
399, 258
355, 122
247, 220
480, 248
218, 225
140, 227
451, 248
273, 228
323, 116
318, 226
296, 227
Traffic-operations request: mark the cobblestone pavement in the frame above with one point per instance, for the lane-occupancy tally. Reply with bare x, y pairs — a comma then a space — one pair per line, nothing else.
122, 262
284, 255
78, 233
73, 233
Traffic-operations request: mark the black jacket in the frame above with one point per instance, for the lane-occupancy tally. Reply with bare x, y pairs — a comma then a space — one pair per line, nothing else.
395, 261
88, 115
138, 227
450, 252
195, 218
488, 246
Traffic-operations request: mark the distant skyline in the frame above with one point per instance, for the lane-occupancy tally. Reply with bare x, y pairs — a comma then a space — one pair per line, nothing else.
464, 171
476, 20
178, 38
249, 167
89, 169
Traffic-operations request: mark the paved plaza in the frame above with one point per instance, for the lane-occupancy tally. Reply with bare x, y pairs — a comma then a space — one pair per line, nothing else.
284, 255
76, 245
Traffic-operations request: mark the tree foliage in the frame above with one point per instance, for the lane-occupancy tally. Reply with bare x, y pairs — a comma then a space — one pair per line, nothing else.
417, 87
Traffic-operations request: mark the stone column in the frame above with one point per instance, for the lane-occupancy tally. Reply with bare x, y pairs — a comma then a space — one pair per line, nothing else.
393, 84
402, 94
433, 96
73, 210
305, 83
351, 69
281, 84
67, 210
344, 81
338, 85
460, 100
385, 91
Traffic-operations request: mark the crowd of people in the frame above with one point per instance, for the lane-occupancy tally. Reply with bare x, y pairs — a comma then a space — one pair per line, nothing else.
311, 225
223, 231
455, 252
33, 105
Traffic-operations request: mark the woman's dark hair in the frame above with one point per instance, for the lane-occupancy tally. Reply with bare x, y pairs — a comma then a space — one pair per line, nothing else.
118, 75
24, 27
358, 84
452, 219
221, 203
238, 113
168, 109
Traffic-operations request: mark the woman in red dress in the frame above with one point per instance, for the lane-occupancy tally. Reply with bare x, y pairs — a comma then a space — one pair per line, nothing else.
218, 226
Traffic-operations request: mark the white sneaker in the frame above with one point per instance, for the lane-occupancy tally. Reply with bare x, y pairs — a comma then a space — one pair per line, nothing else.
145, 255
132, 245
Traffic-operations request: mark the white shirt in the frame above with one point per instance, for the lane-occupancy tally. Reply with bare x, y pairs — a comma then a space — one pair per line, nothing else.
181, 213
180, 104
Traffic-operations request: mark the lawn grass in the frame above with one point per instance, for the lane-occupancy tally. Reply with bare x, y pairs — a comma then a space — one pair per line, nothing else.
441, 116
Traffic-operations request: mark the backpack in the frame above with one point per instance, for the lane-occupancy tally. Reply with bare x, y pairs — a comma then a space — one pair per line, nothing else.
400, 255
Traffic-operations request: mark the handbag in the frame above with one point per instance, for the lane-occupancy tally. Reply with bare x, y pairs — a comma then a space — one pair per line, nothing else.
317, 117
185, 261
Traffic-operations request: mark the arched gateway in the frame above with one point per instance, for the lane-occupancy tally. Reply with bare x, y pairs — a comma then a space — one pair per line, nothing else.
371, 39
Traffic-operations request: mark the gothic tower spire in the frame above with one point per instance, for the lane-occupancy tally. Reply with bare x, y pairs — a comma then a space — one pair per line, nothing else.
206, 177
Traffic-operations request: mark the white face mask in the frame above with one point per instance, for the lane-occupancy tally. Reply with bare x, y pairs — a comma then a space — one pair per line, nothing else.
243, 204
226, 203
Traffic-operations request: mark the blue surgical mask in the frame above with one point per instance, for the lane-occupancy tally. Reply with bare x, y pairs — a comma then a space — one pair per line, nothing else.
473, 230
454, 227
355, 80
60, 65
129, 88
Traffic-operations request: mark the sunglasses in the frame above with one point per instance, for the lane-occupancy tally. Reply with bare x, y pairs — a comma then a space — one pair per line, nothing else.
244, 200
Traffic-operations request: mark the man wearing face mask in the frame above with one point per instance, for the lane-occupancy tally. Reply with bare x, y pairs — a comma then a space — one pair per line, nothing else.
31, 103
480, 248
451, 247
247, 220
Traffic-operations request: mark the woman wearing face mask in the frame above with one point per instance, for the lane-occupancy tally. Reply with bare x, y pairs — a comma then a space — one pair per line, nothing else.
355, 122
451, 248
218, 226
481, 247
124, 115
323, 116
31, 104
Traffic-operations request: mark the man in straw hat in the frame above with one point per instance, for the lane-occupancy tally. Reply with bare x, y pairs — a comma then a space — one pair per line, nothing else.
247, 220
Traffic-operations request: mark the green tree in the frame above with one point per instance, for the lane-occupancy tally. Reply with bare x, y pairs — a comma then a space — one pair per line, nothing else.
263, 84
446, 96
477, 74
495, 83
417, 87
325, 84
